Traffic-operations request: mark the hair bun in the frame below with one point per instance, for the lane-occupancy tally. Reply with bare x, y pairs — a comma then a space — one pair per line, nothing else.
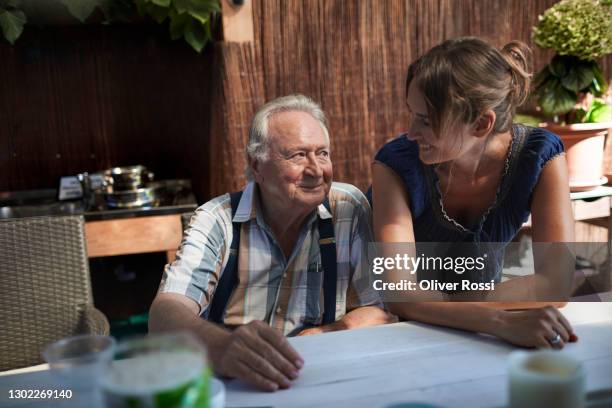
518, 56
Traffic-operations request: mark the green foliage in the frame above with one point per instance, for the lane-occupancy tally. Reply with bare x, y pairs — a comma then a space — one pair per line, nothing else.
579, 31
12, 19
553, 98
118, 11
581, 28
559, 83
190, 19
81, 9
599, 112
526, 120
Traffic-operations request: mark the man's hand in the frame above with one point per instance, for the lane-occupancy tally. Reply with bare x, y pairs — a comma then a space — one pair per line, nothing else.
258, 354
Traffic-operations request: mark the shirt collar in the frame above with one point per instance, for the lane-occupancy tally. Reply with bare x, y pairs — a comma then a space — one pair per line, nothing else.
323, 213
247, 208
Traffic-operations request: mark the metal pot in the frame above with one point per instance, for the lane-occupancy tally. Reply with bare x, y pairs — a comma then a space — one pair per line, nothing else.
129, 178
141, 197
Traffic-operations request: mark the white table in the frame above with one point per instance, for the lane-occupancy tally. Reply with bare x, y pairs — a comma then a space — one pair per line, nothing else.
376, 366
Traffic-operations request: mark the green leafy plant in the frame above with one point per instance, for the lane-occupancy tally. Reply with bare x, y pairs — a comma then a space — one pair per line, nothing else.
12, 19
189, 19
580, 31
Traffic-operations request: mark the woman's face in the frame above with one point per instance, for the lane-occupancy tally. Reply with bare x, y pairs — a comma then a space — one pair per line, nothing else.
434, 149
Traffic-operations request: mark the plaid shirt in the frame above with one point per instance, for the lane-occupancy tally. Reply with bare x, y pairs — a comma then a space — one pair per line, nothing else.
285, 293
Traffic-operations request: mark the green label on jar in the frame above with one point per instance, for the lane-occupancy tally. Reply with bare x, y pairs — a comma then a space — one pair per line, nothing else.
161, 380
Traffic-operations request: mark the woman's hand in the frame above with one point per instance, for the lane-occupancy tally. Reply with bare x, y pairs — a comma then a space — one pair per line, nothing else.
536, 328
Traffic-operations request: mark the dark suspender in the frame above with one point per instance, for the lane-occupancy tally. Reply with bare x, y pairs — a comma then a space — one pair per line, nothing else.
327, 248
229, 276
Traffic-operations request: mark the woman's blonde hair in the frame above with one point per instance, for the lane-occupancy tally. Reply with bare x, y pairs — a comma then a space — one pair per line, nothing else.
464, 77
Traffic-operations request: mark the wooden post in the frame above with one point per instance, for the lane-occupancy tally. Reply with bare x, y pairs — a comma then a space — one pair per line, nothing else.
237, 20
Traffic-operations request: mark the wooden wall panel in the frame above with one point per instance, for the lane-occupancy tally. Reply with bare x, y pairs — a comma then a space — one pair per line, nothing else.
352, 57
236, 94
85, 98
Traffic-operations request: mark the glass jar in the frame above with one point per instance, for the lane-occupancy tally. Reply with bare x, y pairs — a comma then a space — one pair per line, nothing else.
169, 370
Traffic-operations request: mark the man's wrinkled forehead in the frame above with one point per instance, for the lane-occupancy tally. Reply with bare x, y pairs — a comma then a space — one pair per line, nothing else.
296, 128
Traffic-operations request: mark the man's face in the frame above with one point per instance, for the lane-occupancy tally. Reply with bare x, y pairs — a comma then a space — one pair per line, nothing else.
298, 171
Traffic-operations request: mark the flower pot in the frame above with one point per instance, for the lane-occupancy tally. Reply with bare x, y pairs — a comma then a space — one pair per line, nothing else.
584, 149
608, 158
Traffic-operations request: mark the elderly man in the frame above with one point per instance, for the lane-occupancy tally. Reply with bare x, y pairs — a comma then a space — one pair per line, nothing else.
284, 256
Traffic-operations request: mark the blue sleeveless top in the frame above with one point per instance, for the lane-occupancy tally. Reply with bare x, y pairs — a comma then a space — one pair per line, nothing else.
530, 149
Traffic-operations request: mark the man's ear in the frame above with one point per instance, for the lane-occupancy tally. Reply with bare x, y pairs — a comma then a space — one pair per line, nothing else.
254, 165
484, 124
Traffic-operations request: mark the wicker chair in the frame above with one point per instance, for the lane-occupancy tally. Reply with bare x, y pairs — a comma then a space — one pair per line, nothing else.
45, 291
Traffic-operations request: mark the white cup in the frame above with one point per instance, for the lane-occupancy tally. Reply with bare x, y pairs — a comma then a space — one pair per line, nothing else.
545, 378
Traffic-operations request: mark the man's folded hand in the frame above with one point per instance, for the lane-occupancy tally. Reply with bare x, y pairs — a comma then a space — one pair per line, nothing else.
260, 355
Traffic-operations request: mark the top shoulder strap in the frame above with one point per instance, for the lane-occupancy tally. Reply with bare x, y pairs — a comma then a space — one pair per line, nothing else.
229, 276
327, 248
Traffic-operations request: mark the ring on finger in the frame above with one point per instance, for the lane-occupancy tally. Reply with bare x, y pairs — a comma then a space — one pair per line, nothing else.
556, 340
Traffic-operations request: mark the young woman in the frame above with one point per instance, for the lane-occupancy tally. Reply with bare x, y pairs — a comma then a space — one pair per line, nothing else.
464, 173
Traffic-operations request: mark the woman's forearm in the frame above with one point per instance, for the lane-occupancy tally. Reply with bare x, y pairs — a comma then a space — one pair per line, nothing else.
465, 316
366, 316
360, 317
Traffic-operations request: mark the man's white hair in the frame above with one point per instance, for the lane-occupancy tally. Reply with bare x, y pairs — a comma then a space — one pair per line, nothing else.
258, 144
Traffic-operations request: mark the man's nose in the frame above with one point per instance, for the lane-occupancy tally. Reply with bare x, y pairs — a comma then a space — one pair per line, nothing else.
314, 167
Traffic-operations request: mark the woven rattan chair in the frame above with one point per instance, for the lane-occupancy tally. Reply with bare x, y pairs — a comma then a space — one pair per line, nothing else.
45, 291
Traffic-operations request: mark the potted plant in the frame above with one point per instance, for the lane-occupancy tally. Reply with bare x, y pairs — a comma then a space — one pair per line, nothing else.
571, 90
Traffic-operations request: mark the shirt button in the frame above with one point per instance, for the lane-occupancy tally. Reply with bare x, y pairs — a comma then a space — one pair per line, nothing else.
278, 310
285, 275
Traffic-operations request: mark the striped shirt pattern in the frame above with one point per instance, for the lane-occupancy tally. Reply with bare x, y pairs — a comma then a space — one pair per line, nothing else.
285, 293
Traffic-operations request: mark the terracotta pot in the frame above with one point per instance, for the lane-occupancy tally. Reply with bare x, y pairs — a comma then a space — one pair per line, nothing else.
608, 157
584, 149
